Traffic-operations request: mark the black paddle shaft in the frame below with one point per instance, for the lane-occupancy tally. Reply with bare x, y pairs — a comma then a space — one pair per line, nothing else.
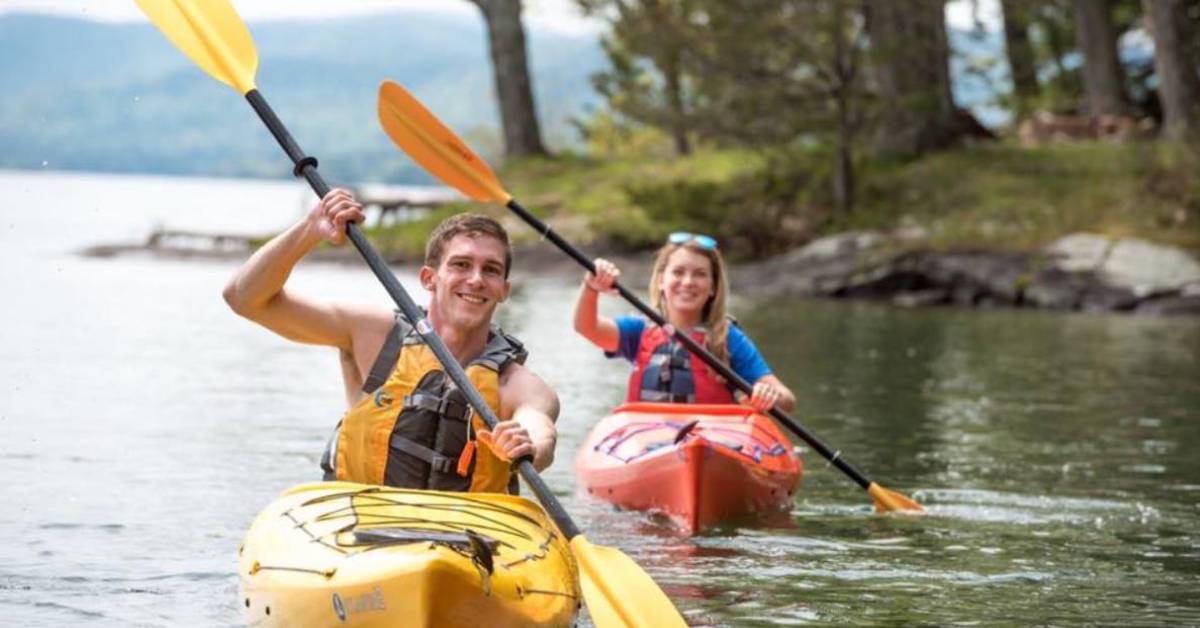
306, 166
834, 457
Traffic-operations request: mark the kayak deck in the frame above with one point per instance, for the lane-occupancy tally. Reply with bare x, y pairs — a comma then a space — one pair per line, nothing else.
339, 553
698, 464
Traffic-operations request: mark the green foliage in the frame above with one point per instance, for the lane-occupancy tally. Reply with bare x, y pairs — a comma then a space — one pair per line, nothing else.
1052, 30
1001, 197
406, 240
749, 72
1168, 174
1007, 197
607, 136
633, 202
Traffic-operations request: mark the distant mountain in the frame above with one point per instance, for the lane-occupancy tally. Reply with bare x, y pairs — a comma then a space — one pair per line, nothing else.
82, 95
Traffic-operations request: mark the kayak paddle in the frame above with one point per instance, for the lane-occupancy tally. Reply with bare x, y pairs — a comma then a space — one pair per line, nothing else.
436, 148
210, 32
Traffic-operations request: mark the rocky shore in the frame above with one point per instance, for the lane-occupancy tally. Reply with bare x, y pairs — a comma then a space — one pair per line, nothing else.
1080, 272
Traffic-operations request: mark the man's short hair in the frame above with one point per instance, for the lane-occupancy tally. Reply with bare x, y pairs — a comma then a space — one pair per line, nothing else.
470, 225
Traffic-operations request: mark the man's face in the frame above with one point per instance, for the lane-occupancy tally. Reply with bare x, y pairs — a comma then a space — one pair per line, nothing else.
468, 283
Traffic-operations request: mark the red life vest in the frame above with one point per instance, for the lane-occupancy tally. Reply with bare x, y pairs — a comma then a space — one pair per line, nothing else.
666, 371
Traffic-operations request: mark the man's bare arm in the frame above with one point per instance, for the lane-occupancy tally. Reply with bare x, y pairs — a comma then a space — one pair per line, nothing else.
257, 291
529, 409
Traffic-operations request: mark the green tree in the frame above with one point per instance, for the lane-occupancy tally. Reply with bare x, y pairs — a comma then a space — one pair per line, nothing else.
775, 75
647, 48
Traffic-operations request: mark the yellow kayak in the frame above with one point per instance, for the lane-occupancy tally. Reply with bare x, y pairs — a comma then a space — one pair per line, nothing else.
344, 554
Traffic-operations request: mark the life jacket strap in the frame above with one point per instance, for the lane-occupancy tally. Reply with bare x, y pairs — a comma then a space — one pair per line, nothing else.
386, 361
437, 462
440, 405
329, 456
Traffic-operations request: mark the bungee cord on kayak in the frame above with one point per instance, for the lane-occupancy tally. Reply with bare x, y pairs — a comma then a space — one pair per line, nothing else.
499, 544
757, 441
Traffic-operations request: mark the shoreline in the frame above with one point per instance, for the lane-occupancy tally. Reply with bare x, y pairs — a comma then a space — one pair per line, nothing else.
1079, 273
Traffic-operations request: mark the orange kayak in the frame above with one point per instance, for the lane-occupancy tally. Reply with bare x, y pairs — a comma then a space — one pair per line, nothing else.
698, 464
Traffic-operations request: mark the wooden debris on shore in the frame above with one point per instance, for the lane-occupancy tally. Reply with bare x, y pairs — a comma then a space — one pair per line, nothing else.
383, 207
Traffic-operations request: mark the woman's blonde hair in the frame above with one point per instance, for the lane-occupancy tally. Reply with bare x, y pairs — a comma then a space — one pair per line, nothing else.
713, 315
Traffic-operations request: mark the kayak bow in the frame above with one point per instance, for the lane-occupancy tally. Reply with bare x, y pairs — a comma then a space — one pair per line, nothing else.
698, 464
339, 553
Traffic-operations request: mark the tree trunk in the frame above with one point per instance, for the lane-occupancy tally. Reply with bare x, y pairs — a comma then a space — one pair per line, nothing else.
1020, 53
510, 68
675, 103
843, 172
1103, 80
911, 53
1178, 86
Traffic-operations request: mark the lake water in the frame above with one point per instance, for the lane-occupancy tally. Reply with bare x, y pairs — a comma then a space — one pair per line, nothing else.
143, 425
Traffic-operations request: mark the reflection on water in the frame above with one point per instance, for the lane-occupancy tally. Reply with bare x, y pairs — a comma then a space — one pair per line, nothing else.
142, 426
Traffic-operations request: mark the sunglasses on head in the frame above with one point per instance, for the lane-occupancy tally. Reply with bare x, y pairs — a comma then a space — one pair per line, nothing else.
682, 237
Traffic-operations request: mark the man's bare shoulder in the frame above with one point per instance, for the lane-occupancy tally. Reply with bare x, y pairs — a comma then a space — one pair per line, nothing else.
368, 326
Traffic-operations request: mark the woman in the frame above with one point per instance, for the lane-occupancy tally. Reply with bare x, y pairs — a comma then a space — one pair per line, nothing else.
688, 285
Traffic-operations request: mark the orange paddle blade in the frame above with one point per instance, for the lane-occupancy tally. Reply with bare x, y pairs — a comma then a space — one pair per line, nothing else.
891, 501
436, 148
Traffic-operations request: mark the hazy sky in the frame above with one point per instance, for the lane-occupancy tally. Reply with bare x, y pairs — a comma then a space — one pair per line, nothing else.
558, 15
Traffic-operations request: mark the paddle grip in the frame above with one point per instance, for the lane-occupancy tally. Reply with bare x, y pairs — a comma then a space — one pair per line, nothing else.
720, 367
306, 166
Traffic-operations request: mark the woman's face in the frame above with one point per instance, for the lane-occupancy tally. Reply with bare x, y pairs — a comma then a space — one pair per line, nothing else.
687, 283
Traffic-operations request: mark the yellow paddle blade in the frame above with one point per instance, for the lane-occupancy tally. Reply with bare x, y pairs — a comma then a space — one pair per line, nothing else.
618, 593
211, 34
420, 134
891, 501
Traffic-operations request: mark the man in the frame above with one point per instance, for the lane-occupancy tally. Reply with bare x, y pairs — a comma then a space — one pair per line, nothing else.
408, 425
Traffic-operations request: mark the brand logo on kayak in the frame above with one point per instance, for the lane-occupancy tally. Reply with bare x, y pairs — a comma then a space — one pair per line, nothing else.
338, 608
382, 399
364, 603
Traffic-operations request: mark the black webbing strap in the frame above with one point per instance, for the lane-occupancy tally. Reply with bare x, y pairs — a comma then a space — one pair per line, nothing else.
438, 462
386, 361
440, 405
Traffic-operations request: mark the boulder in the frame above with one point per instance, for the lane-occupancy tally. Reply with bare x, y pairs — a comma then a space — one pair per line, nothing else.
1054, 289
834, 247
1079, 252
1171, 305
921, 298
1082, 271
1142, 267
1147, 268
1099, 297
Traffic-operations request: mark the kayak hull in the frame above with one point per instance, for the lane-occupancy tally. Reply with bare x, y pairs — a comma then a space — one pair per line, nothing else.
698, 464
345, 554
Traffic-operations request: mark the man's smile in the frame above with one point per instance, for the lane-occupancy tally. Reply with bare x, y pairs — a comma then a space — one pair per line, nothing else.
471, 298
